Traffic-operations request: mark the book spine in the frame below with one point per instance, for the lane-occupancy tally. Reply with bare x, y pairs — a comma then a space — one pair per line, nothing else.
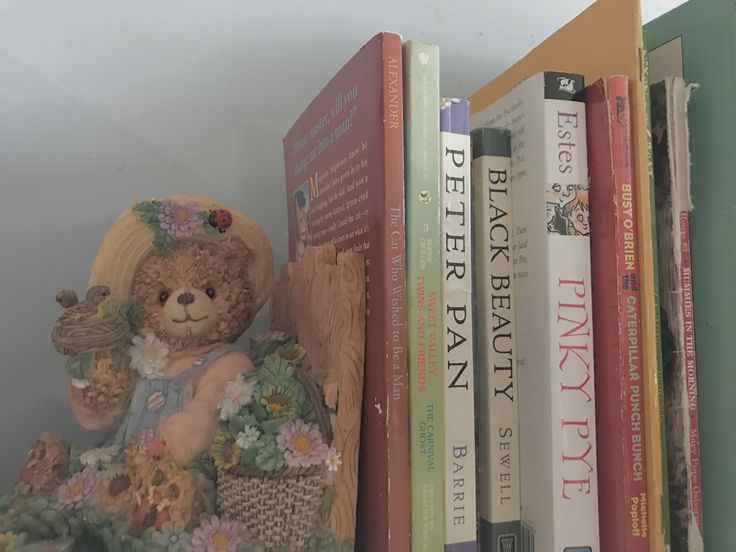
569, 362
498, 412
457, 324
656, 445
691, 383
688, 380
396, 538
424, 277
623, 499
552, 290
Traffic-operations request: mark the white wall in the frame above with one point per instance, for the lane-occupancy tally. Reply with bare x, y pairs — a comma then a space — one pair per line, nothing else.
102, 103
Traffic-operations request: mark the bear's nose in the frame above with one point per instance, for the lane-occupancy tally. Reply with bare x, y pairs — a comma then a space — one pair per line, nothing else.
185, 298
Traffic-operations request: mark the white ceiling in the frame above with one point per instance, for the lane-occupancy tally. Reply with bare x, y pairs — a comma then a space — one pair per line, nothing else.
105, 102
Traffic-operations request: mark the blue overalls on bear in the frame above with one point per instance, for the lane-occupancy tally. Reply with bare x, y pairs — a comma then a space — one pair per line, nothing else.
155, 399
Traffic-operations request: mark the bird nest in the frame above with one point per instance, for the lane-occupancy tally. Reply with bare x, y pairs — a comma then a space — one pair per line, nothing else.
72, 337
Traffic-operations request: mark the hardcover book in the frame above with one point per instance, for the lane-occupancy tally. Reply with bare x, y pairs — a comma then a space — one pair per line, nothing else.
697, 41
495, 336
424, 281
457, 315
620, 420
554, 343
344, 186
673, 203
606, 39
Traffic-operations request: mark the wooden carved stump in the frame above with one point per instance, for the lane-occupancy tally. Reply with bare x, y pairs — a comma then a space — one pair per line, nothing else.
321, 301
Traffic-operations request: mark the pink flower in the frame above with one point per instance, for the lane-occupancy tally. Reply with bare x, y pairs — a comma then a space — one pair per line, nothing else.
302, 444
78, 488
179, 219
216, 535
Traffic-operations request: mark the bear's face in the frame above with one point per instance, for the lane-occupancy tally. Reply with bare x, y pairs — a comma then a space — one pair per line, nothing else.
195, 294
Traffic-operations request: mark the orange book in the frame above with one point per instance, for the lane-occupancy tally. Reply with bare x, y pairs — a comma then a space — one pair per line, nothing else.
606, 39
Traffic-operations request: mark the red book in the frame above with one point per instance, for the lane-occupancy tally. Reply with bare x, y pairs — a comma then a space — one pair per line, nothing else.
345, 185
622, 483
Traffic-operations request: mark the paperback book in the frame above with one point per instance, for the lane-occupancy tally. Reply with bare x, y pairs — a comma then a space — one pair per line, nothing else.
673, 204
554, 343
424, 286
495, 340
620, 421
457, 314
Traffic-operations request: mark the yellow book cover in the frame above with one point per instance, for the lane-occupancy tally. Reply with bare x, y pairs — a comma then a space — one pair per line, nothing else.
606, 39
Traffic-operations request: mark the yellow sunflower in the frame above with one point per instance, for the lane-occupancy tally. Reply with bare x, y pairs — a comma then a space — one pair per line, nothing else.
115, 492
7, 542
292, 353
225, 452
279, 401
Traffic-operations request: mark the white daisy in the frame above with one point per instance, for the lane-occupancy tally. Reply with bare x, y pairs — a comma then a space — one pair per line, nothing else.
247, 437
148, 355
237, 393
80, 383
98, 456
333, 460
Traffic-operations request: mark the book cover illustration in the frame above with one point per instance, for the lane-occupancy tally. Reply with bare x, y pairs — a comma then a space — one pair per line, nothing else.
620, 421
673, 203
457, 314
344, 186
495, 340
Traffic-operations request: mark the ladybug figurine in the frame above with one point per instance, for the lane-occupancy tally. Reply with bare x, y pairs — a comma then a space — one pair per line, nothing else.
221, 219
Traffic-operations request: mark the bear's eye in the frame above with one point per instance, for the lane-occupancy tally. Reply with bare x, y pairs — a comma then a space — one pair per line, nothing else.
163, 296
210, 292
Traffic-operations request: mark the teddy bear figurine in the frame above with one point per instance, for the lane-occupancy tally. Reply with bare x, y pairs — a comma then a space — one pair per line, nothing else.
176, 281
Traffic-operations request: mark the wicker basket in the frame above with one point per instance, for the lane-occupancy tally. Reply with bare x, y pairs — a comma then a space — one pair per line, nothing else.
279, 508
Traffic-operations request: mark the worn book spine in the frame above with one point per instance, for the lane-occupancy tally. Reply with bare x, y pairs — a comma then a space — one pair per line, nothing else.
672, 194
424, 281
496, 389
552, 289
457, 316
620, 421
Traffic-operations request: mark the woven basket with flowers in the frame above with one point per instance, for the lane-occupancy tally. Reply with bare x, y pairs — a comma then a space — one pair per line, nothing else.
272, 450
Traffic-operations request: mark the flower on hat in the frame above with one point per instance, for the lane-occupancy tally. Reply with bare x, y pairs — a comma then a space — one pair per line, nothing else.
179, 218
148, 355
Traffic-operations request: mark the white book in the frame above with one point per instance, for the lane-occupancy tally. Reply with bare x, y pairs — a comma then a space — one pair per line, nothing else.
552, 289
457, 319
495, 331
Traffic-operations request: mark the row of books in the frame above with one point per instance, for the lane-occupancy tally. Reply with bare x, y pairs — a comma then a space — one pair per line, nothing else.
517, 394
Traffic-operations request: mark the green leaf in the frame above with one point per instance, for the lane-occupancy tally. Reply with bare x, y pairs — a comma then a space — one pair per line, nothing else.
120, 359
129, 310
272, 427
248, 458
162, 240
78, 366
148, 211
269, 457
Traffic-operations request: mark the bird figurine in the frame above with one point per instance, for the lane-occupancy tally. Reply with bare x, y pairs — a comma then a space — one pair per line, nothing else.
91, 306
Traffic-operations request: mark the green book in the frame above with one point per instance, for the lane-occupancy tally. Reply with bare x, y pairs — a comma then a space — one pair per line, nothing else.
697, 41
424, 281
